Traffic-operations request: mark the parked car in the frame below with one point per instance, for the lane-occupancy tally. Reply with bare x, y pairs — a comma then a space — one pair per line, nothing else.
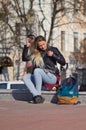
12, 85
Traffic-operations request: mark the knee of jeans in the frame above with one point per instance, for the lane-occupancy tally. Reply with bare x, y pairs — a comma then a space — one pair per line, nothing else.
37, 70
25, 77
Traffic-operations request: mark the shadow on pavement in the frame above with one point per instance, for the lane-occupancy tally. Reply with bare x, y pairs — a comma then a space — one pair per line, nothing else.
22, 95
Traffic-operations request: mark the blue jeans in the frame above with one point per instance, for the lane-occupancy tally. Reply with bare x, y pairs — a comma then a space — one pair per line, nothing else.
34, 81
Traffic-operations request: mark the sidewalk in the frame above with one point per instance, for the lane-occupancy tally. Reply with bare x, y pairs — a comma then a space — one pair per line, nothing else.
21, 115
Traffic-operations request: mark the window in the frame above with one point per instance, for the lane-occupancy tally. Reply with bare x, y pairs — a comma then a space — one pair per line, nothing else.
18, 26
63, 3
75, 41
84, 35
12, 85
3, 85
76, 6
17, 29
62, 40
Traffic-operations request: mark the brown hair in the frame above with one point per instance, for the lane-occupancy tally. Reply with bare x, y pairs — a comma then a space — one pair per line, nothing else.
38, 39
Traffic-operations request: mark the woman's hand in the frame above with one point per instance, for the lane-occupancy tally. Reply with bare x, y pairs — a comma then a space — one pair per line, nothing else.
28, 42
25, 73
50, 53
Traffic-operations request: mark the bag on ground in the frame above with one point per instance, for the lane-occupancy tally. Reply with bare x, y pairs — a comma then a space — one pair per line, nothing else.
68, 92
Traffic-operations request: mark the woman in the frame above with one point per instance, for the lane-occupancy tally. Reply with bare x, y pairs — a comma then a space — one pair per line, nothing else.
46, 74
27, 52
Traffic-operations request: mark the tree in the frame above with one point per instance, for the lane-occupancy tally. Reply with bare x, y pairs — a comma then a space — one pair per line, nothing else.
16, 9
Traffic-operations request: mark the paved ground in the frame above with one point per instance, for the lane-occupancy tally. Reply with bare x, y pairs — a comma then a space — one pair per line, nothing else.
21, 115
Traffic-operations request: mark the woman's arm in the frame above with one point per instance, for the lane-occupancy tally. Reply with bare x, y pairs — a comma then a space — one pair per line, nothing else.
58, 56
25, 56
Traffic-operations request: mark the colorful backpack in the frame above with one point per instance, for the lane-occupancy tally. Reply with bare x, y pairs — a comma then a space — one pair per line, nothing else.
68, 92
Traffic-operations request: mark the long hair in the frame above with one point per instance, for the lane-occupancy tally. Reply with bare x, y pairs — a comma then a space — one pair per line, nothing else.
34, 53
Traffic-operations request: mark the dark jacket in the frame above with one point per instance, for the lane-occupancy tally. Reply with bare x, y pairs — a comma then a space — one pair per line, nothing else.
50, 62
25, 56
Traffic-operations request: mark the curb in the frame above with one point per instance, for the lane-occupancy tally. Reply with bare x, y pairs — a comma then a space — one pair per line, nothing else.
25, 95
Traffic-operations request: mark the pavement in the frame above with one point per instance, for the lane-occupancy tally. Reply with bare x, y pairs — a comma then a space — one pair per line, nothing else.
21, 115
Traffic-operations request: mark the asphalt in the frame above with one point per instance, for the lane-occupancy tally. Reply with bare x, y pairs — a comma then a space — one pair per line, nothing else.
21, 115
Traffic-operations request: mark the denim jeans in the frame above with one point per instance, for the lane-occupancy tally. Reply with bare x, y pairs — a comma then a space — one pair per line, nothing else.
34, 81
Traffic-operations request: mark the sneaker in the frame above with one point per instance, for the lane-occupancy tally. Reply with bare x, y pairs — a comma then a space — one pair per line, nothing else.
38, 99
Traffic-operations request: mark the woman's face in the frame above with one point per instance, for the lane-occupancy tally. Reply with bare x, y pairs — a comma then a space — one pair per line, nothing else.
42, 45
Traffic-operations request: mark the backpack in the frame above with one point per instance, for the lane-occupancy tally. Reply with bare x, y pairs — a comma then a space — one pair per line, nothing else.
68, 92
